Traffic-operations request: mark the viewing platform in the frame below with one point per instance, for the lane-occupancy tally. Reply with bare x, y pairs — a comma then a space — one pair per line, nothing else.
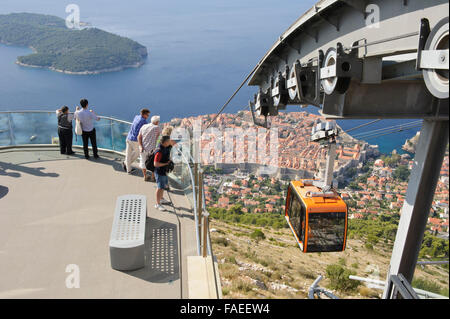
57, 211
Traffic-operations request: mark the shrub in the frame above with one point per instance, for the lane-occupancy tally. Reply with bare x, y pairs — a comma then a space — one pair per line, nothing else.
221, 241
424, 284
258, 235
225, 291
339, 278
372, 239
242, 286
367, 292
228, 271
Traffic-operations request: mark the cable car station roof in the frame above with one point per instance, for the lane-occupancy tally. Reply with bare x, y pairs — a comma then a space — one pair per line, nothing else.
383, 48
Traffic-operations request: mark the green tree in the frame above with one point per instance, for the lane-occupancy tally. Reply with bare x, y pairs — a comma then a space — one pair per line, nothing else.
354, 185
401, 173
235, 210
392, 160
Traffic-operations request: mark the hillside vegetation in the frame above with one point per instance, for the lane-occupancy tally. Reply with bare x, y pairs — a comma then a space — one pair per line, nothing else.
259, 258
257, 262
74, 51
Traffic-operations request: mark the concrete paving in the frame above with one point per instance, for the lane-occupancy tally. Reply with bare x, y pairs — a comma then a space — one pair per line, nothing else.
57, 211
203, 282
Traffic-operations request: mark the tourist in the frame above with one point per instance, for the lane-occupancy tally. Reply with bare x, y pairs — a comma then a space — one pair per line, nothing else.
132, 151
148, 135
162, 163
65, 132
167, 131
87, 118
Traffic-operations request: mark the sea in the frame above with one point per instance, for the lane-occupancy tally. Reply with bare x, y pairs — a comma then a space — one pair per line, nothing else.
199, 53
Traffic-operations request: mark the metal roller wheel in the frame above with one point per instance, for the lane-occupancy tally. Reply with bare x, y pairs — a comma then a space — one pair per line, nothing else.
263, 106
436, 80
334, 83
280, 99
293, 91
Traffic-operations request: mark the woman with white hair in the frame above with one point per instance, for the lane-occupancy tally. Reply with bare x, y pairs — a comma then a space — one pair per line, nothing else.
167, 131
147, 138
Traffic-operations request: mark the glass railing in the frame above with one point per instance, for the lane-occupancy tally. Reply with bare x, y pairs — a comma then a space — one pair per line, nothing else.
183, 178
186, 174
40, 127
183, 175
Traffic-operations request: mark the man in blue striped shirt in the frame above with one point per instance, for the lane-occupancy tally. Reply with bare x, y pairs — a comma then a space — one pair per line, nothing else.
132, 152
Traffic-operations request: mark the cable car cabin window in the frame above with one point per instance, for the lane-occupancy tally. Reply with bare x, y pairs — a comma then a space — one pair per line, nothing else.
326, 232
296, 215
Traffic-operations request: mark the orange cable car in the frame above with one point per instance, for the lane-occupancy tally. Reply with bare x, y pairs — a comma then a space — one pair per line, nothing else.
317, 219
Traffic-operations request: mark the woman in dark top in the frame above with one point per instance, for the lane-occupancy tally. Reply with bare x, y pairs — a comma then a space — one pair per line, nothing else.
65, 130
166, 134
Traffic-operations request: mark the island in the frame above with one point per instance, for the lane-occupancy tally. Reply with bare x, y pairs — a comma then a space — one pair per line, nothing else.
58, 48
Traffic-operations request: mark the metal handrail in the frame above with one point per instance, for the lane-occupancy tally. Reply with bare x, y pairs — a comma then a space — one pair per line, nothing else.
431, 262
378, 284
208, 237
314, 289
209, 245
27, 111
204, 213
204, 209
51, 112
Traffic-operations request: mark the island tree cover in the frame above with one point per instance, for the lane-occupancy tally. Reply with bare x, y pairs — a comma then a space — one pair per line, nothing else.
57, 47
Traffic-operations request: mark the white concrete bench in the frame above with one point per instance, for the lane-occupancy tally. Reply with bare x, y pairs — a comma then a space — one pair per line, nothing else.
126, 245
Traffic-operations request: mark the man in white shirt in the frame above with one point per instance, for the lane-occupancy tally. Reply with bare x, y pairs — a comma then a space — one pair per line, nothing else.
148, 135
87, 118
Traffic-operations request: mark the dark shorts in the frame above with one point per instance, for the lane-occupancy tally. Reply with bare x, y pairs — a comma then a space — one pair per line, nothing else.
161, 181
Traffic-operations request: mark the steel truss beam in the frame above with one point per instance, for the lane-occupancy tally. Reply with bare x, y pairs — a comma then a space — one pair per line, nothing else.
387, 100
421, 187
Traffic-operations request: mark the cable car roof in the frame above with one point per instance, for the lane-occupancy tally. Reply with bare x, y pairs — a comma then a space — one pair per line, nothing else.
318, 204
